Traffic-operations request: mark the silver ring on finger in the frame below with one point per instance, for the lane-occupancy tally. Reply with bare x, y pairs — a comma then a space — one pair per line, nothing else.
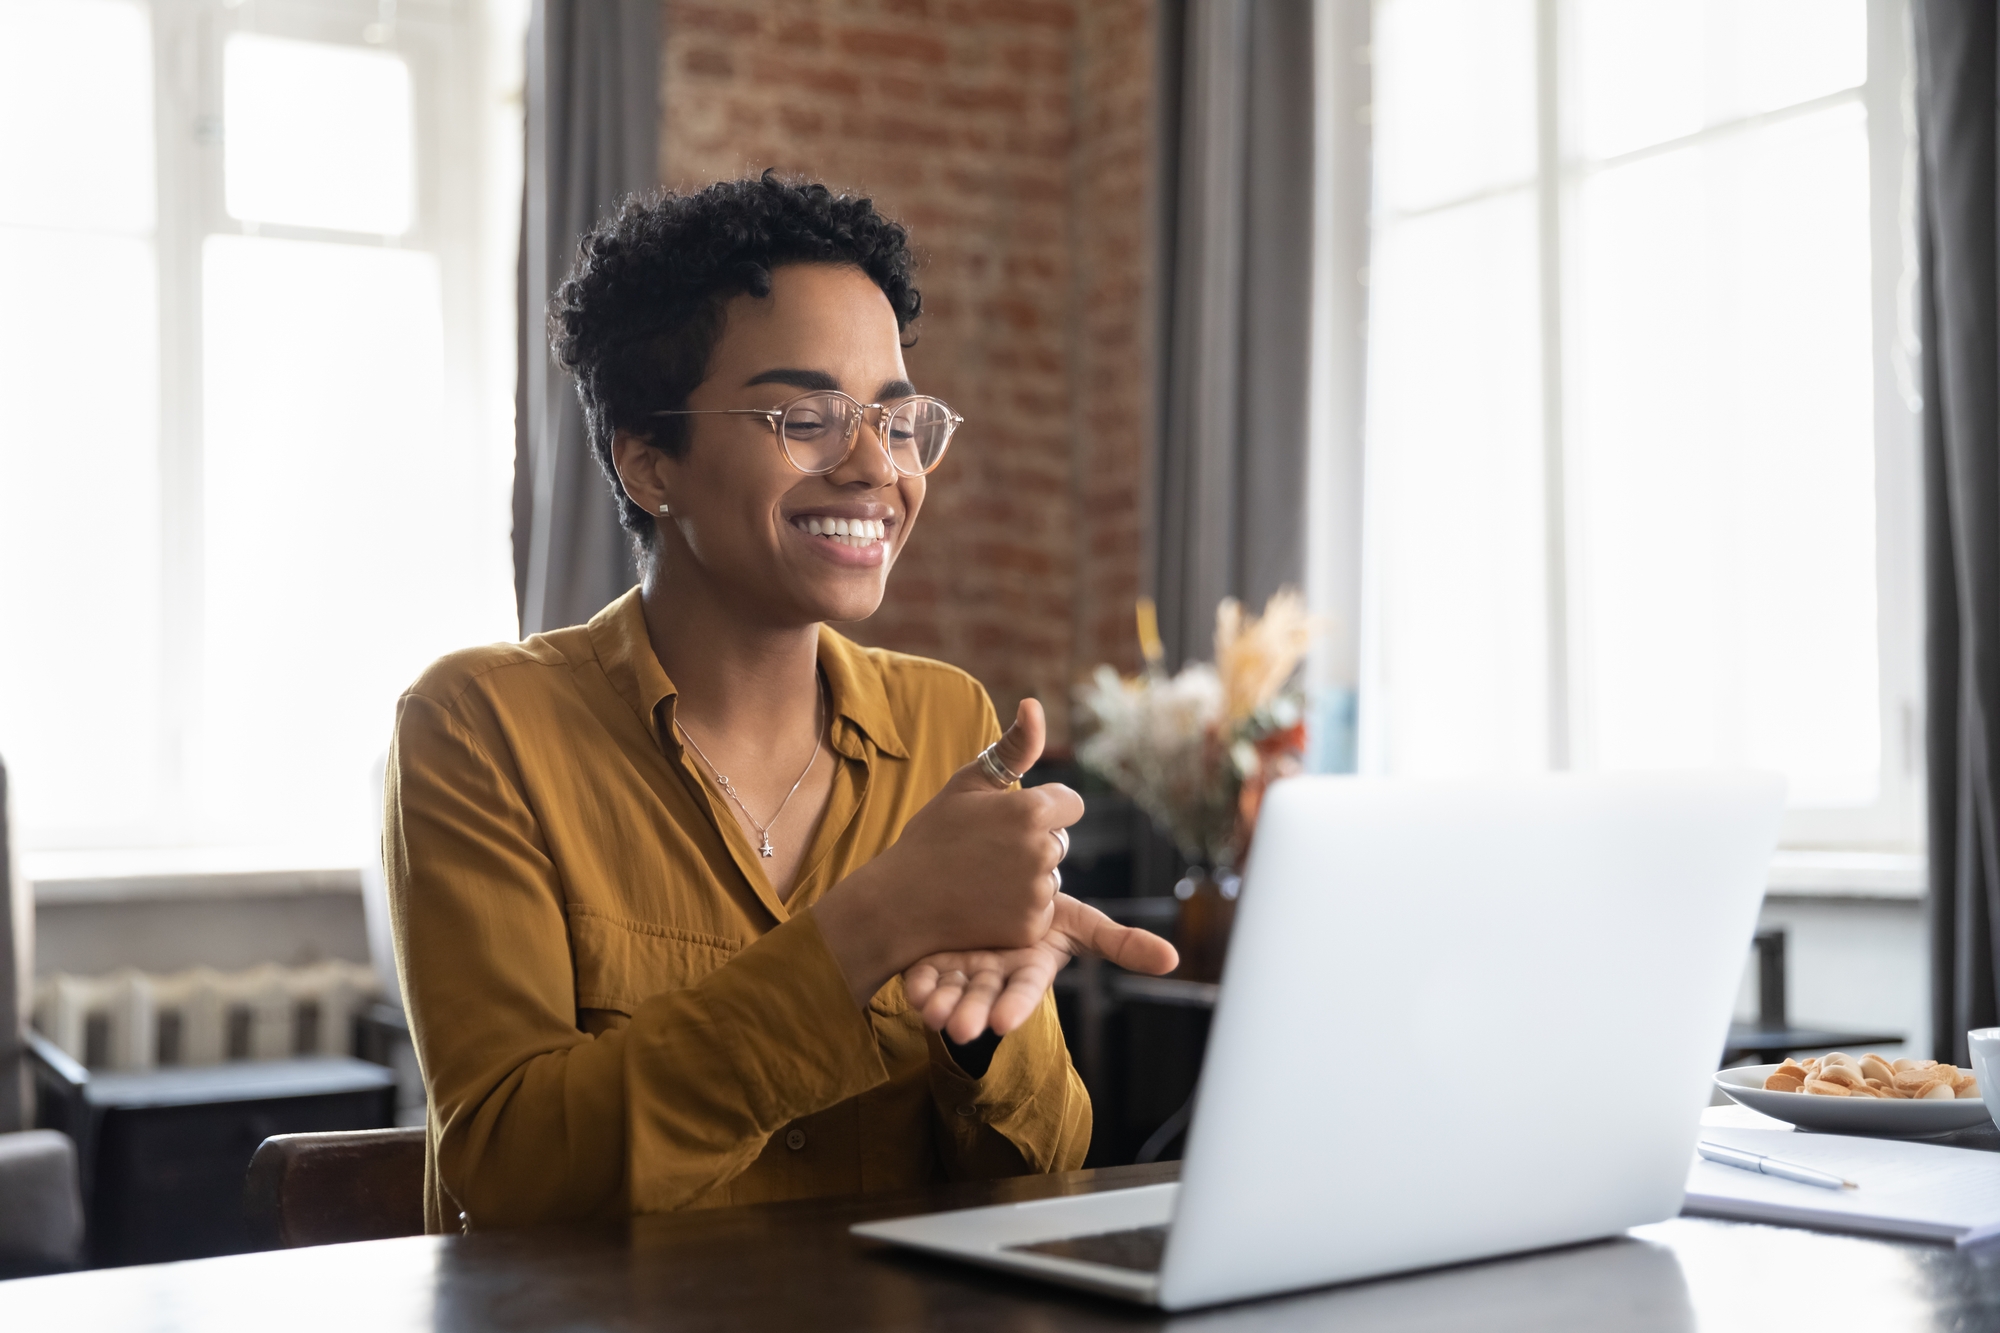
945, 978
997, 772
1056, 873
1062, 840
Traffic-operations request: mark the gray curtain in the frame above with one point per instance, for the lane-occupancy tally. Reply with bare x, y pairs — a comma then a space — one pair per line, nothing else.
1237, 111
592, 138
1956, 90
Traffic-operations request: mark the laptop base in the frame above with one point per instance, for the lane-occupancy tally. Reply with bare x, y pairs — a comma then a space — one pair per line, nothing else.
1051, 1239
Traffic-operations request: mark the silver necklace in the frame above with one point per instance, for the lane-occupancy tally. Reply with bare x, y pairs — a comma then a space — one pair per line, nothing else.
729, 789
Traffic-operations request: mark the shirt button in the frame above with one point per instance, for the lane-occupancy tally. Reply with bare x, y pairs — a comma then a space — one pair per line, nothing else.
967, 1111
795, 1140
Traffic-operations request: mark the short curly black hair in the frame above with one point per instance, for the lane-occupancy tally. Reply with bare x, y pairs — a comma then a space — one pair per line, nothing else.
638, 317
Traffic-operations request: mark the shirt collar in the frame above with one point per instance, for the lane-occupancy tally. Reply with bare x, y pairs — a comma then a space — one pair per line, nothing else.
625, 651
860, 701
859, 698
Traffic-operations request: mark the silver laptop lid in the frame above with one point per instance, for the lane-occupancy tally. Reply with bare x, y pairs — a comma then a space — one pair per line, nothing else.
1464, 1018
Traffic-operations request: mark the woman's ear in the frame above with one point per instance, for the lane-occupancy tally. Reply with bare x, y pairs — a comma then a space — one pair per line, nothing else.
642, 472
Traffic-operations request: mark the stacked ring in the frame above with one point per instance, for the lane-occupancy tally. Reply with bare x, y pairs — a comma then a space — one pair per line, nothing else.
1001, 775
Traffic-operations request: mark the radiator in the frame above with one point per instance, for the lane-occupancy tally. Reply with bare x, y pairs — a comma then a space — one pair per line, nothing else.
133, 1020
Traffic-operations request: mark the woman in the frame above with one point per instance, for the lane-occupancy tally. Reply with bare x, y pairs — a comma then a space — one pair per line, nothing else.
667, 885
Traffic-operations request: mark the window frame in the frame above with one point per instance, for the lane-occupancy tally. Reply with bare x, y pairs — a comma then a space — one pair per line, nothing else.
465, 65
188, 42
1894, 822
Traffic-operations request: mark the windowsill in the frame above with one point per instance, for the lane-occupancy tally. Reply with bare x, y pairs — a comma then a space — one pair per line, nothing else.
1823, 874
180, 873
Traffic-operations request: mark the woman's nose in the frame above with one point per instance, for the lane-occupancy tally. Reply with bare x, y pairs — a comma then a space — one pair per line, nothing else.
867, 462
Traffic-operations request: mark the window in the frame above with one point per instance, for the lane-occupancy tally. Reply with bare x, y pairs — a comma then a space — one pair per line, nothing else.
258, 262
1642, 476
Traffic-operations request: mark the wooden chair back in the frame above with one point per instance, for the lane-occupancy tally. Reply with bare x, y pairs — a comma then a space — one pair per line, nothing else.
323, 1189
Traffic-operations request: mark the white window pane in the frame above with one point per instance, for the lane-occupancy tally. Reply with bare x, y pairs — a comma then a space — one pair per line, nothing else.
1647, 71
1725, 459
345, 548
317, 135
1777, 53
1456, 546
79, 535
76, 114
1454, 99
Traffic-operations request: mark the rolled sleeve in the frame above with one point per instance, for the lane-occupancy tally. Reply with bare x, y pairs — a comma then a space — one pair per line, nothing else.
1028, 1112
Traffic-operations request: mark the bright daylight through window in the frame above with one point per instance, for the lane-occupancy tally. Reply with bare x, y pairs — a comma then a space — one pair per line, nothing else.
1641, 438
256, 457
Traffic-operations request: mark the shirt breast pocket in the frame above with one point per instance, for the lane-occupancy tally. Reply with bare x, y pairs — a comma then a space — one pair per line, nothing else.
620, 963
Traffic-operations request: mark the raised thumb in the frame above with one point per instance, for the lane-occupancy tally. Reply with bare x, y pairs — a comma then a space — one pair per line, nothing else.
1017, 750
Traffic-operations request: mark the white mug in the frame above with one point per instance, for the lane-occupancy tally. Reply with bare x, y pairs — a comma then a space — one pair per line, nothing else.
1985, 1043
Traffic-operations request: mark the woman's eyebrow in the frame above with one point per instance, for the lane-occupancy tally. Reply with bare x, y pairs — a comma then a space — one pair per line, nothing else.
798, 379
819, 379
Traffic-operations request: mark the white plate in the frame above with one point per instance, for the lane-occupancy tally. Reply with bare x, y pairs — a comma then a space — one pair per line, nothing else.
1850, 1115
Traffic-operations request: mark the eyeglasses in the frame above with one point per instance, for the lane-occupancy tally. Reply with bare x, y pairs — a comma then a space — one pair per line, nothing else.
818, 431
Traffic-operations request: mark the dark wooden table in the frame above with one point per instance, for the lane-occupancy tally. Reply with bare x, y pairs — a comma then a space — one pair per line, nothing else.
794, 1265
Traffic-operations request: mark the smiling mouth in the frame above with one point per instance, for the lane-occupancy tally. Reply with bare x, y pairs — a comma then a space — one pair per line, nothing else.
856, 532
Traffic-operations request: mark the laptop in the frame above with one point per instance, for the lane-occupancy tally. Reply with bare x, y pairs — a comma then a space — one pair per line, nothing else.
1459, 1019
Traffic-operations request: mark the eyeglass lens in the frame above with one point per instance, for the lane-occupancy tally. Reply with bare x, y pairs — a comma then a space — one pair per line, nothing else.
817, 431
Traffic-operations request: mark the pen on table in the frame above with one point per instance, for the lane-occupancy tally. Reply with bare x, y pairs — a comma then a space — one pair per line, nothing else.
1771, 1166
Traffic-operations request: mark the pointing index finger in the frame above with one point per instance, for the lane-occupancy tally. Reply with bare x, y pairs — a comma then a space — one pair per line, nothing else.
1128, 947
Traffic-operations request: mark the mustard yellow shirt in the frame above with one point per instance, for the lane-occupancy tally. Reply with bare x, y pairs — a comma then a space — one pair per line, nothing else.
613, 1011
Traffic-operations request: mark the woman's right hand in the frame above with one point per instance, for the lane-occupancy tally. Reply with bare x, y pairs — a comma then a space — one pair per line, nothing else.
971, 870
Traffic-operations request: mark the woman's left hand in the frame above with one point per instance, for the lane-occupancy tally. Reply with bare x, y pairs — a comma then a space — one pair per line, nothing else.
962, 994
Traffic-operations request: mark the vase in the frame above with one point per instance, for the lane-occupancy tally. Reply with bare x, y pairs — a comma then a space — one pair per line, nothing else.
1208, 910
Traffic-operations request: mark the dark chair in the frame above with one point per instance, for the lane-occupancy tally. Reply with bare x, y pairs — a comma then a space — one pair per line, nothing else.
17, 964
41, 1207
41, 1210
324, 1189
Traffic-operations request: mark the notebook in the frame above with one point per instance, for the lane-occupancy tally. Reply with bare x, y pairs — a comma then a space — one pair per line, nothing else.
1918, 1190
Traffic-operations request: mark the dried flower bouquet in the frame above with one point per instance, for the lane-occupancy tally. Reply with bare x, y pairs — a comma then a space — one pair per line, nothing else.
1195, 750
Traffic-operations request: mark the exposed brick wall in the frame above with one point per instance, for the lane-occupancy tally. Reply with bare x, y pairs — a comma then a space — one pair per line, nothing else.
1114, 343
1015, 139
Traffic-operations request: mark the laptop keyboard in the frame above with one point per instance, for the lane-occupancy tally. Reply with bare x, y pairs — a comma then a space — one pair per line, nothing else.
1139, 1249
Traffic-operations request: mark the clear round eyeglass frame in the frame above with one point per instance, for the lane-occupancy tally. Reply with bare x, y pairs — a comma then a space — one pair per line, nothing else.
818, 431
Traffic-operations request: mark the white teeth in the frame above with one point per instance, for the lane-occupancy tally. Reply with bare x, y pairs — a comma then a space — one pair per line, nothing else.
846, 531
